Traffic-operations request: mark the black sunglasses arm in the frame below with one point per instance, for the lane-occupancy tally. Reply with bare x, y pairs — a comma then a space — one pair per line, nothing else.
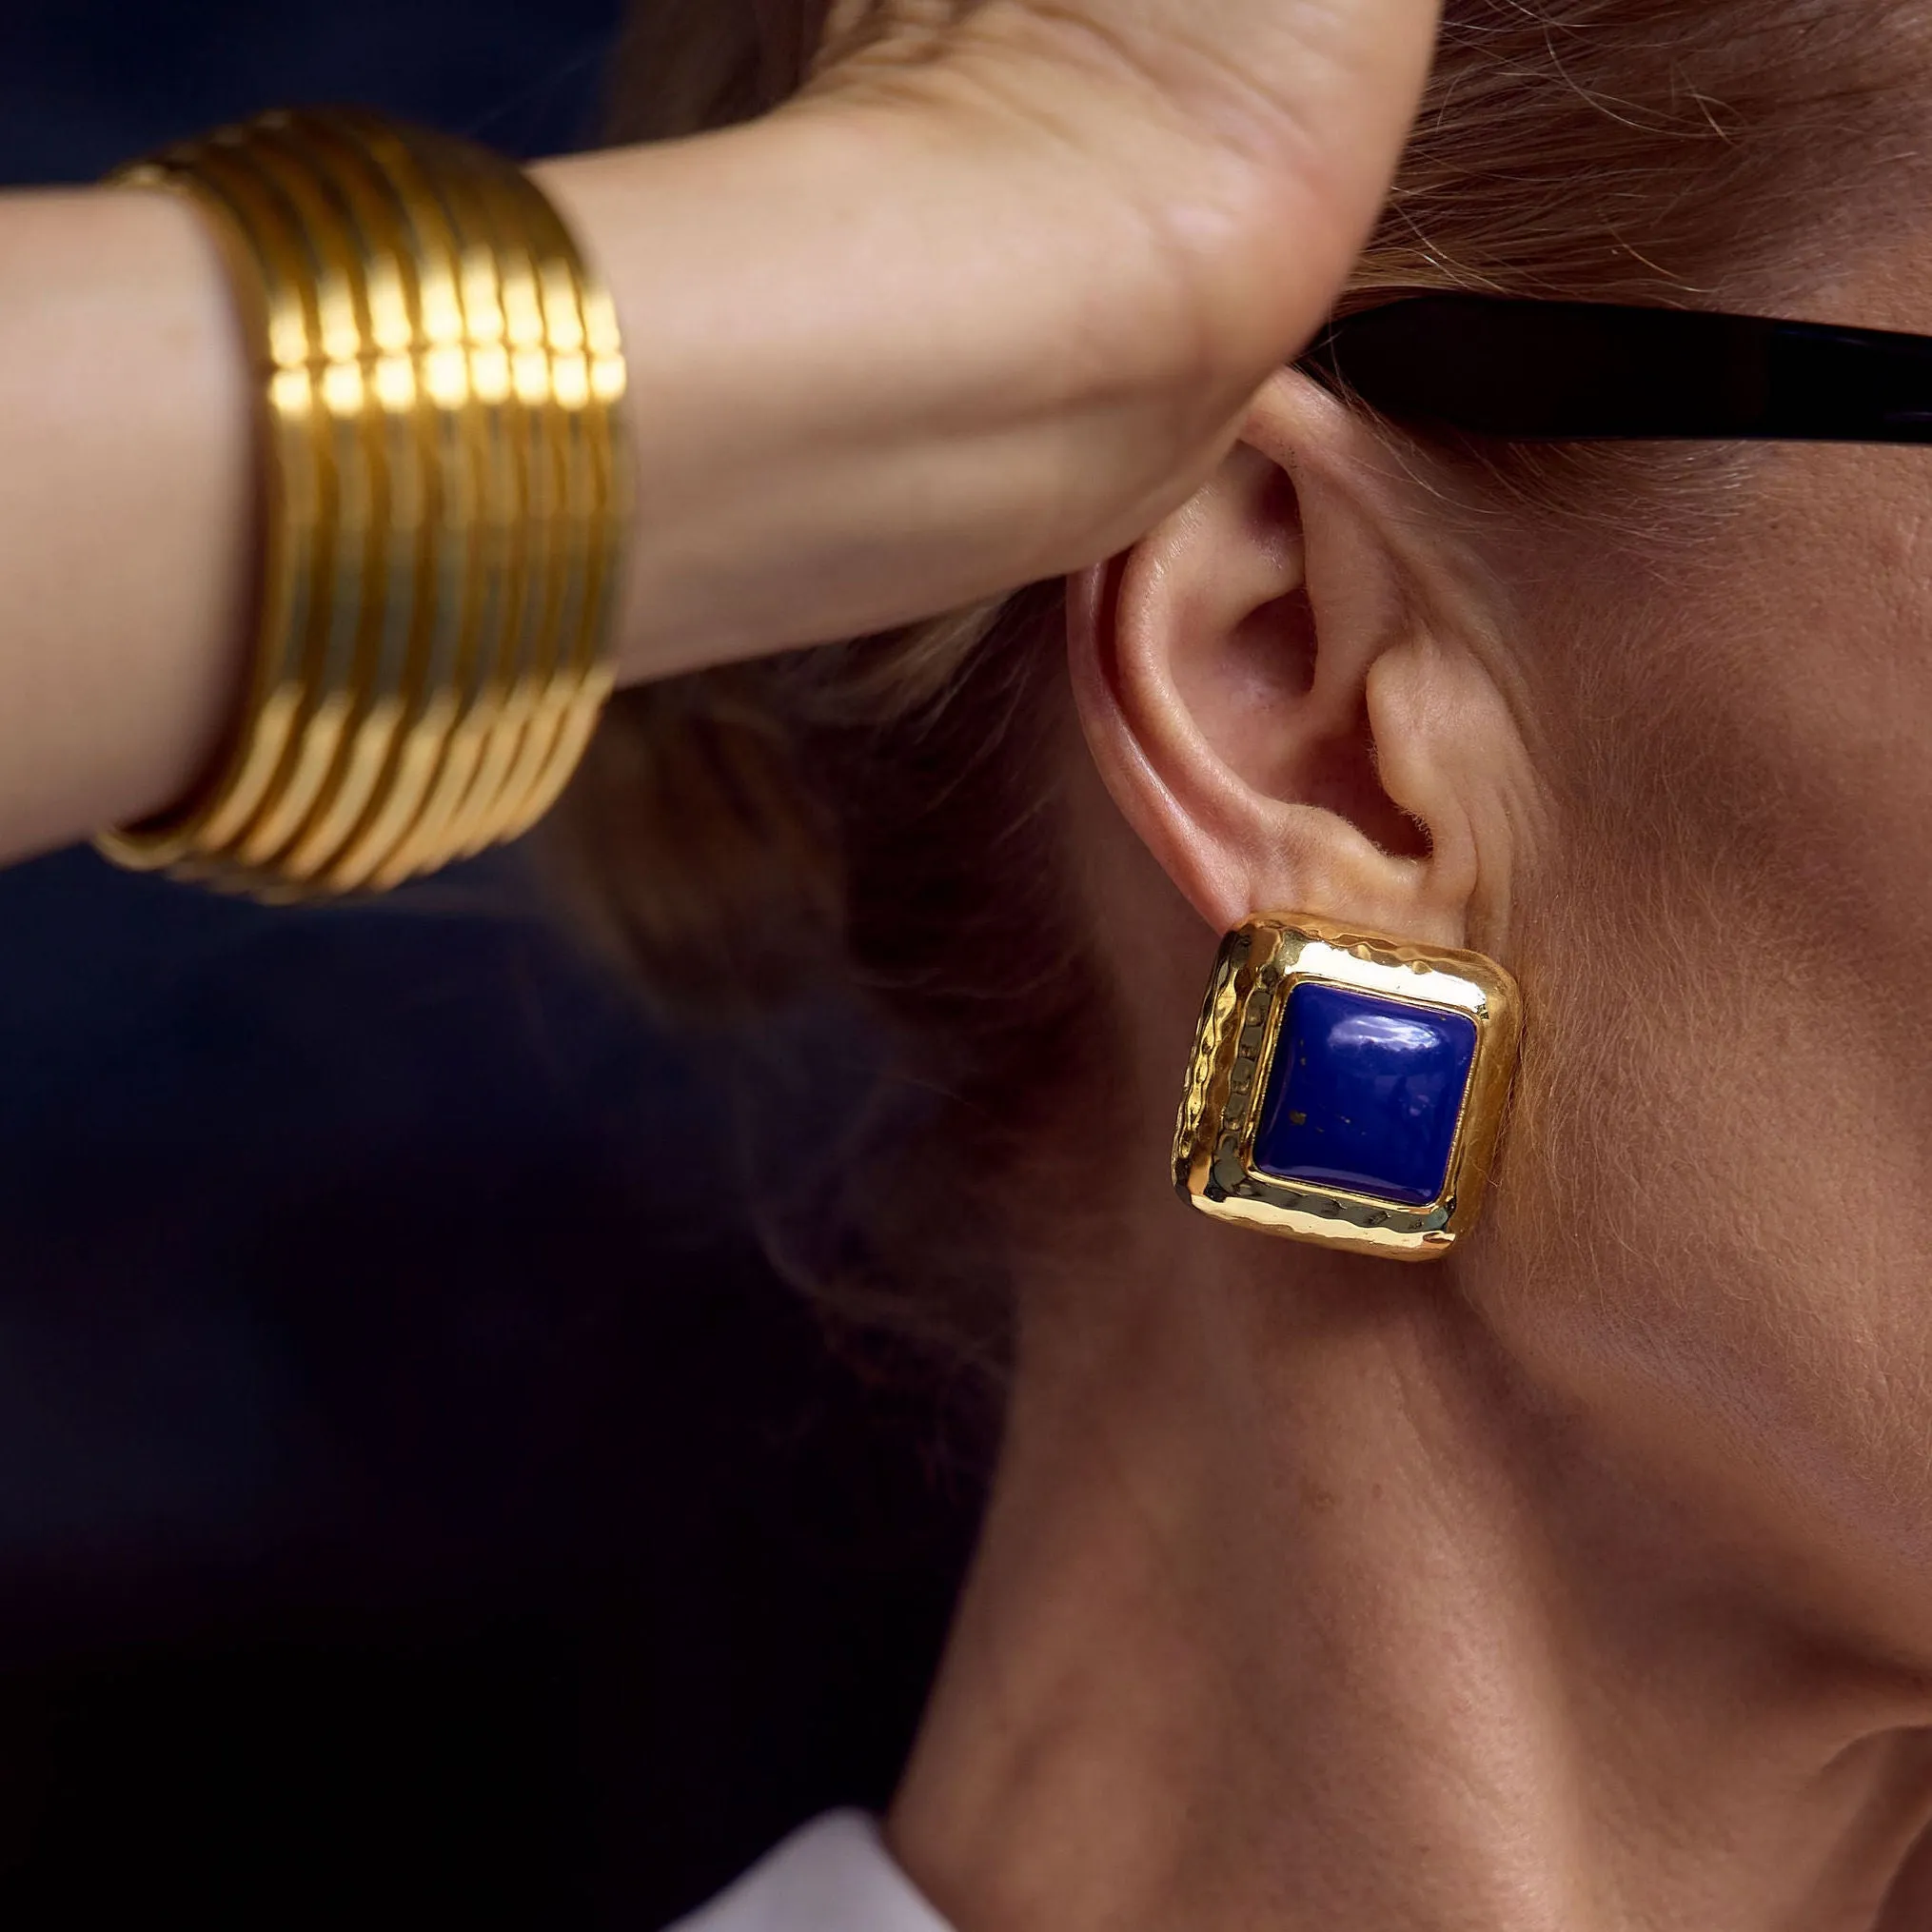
1574, 371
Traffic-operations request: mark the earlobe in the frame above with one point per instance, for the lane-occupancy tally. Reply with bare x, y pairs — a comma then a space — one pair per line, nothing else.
1271, 696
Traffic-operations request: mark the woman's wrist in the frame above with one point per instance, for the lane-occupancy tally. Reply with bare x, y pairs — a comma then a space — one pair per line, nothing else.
888, 363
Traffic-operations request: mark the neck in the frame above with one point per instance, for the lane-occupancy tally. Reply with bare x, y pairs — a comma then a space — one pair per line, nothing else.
1295, 1609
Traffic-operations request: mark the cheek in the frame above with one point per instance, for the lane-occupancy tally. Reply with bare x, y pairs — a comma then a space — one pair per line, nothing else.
1825, 692
1711, 1225
1805, 790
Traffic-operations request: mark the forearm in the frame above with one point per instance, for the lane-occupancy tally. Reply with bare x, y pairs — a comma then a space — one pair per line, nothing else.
125, 511
821, 425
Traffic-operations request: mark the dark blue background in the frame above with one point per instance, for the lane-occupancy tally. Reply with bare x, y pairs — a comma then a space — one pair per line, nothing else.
415, 1494
84, 84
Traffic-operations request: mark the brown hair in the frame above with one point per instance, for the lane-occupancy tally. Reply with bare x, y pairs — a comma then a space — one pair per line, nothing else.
880, 812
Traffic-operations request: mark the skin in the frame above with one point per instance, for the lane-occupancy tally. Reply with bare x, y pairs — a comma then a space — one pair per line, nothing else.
1584, 1581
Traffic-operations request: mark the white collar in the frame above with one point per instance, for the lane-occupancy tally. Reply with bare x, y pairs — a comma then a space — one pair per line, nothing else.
834, 1876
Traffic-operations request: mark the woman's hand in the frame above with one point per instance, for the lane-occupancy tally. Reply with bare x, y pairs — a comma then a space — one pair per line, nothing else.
1205, 170
1255, 137
985, 302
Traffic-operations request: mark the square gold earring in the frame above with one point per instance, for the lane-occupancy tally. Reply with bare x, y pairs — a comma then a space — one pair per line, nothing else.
1348, 1087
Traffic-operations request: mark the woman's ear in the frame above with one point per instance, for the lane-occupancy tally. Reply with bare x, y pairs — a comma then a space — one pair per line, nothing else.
1290, 690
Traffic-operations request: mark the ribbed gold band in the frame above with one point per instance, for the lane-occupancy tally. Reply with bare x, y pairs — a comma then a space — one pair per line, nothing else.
447, 497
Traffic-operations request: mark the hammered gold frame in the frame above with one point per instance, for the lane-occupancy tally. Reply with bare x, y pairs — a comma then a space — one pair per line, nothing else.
1260, 964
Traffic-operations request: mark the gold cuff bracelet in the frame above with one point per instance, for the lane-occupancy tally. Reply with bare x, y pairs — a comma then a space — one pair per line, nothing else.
446, 496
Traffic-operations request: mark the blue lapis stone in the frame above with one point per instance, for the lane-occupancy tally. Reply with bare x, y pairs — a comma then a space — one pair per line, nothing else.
1364, 1093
